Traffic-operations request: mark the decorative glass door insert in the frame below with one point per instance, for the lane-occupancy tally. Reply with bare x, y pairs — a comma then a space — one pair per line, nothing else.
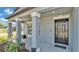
62, 31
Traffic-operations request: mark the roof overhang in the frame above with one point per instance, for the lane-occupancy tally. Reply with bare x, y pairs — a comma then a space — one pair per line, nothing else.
19, 10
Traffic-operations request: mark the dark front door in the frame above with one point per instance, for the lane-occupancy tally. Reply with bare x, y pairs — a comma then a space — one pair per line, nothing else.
62, 31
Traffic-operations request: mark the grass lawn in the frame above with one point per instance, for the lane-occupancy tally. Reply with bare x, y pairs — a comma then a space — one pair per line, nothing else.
4, 36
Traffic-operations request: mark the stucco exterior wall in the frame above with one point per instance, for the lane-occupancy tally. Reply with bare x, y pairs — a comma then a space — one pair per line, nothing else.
75, 30
46, 42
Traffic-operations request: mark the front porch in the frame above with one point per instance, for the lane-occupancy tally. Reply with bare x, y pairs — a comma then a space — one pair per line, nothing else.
36, 28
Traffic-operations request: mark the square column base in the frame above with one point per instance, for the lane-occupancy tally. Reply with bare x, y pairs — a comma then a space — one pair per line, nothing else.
33, 49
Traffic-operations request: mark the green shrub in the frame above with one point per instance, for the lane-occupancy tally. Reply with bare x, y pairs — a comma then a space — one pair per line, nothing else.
3, 31
11, 47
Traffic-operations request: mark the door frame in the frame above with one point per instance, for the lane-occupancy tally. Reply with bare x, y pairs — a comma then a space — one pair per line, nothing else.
68, 47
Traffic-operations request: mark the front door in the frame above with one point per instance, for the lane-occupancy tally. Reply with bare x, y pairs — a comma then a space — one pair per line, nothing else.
61, 39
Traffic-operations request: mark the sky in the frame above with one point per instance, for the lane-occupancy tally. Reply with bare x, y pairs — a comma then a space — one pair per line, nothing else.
5, 12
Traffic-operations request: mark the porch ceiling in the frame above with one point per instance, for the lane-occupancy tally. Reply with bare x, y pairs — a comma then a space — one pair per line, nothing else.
26, 13
57, 11
43, 11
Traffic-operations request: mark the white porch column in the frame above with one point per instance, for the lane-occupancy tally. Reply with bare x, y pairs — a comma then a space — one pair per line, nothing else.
75, 35
35, 30
25, 28
18, 30
24, 32
9, 30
